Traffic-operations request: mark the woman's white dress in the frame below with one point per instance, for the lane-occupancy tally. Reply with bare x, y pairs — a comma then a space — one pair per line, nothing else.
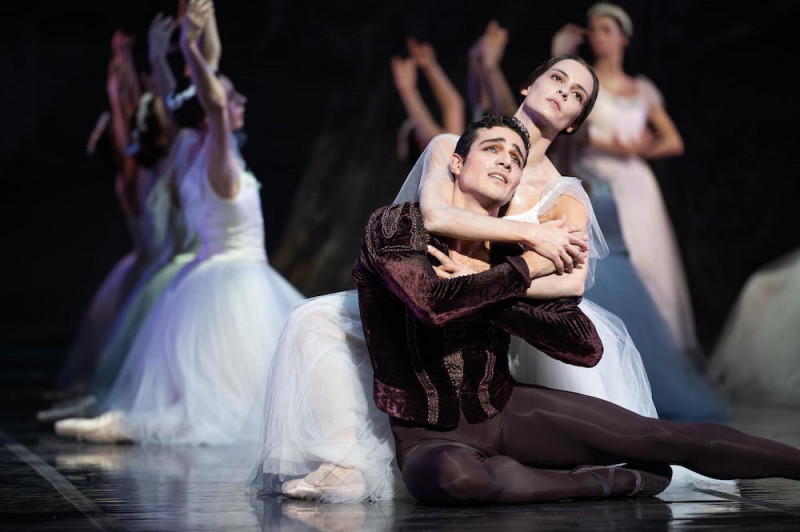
203, 352
645, 222
319, 405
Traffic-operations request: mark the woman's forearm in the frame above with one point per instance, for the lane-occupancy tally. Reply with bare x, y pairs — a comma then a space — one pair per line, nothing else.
500, 93
450, 101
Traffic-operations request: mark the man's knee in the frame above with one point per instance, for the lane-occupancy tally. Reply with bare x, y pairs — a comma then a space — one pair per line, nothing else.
448, 475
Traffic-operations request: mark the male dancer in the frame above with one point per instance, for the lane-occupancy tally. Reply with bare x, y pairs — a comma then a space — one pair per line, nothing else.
465, 432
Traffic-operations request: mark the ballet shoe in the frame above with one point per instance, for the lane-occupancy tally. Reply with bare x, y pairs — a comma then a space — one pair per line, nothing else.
649, 480
329, 481
101, 429
74, 408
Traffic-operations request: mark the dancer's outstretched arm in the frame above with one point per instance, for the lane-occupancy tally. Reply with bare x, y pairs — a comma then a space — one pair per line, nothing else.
223, 171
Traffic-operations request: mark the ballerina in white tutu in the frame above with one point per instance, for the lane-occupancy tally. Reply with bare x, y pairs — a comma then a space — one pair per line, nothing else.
135, 119
203, 353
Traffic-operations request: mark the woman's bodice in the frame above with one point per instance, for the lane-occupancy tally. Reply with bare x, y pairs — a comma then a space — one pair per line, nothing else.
229, 228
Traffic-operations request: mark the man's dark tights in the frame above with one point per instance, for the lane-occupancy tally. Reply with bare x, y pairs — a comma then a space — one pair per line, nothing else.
502, 459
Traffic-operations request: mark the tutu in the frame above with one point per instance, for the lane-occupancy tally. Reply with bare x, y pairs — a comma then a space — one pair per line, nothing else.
203, 352
757, 354
319, 403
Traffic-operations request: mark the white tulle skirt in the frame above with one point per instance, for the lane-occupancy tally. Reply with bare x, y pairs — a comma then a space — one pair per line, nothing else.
319, 405
758, 353
203, 353
96, 324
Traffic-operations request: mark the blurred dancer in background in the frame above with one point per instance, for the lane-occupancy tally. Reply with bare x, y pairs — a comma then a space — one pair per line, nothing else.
204, 350
134, 139
757, 357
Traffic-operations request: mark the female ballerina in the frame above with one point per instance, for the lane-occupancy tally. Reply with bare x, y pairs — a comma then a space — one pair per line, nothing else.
628, 126
679, 390
205, 348
132, 113
321, 372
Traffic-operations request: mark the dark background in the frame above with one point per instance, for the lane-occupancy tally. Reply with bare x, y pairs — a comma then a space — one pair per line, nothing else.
322, 119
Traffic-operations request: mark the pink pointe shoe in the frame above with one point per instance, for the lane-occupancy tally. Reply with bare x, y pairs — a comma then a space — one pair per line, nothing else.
329, 481
101, 429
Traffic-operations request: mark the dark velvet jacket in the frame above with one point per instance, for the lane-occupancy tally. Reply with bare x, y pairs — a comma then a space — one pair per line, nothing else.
440, 345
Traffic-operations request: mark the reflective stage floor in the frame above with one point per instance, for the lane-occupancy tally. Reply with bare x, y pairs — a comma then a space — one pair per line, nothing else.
53, 484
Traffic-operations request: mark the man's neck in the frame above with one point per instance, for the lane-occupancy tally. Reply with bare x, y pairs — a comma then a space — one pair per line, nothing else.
471, 248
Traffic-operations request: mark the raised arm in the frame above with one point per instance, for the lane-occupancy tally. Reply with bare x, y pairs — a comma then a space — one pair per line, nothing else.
223, 171
436, 191
493, 45
450, 101
404, 72
158, 37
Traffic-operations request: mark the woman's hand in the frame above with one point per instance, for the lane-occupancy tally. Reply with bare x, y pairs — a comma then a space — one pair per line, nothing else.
159, 34
564, 246
404, 72
421, 52
197, 14
567, 40
455, 265
493, 44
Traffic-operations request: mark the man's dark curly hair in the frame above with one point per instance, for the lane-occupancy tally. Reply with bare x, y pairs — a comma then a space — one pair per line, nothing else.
547, 65
491, 120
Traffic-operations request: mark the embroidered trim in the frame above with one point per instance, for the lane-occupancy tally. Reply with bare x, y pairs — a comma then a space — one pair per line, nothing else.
431, 394
483, 387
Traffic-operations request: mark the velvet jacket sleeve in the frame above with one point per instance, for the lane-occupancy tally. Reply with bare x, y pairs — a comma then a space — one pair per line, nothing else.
556, 327
395, 250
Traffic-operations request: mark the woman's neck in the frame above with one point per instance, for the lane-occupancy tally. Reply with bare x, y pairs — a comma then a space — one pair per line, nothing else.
609, 68
539, 142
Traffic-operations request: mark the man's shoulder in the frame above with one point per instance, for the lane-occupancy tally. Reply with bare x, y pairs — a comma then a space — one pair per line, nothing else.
396, 227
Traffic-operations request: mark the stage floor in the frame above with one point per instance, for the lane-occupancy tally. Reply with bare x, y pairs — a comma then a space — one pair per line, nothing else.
49, 483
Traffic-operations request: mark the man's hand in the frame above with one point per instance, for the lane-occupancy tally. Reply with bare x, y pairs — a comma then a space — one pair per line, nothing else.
564, 246
455, 265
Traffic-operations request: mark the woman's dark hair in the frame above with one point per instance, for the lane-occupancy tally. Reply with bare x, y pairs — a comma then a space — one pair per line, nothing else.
547, 65
487, 121
147, 130
185, 106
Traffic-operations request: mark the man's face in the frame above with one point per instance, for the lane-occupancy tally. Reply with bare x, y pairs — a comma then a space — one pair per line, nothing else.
557, 97
492, 169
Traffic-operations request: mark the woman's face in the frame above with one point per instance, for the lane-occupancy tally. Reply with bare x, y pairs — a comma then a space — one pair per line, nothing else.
236, 103
605, 36
557, 97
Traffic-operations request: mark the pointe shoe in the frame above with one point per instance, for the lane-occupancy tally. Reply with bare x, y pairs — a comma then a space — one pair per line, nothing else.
329, 481
102, 429
79, 407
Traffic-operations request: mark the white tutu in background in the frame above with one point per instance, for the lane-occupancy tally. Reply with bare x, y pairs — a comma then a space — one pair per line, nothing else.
203, 352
